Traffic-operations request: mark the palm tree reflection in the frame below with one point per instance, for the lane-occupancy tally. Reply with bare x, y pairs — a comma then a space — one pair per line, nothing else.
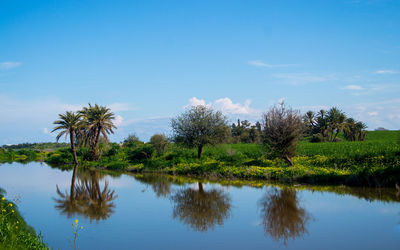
201, 209
87, 198
282, 216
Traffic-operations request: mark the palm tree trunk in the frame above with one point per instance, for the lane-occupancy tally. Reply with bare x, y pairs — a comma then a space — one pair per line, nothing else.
72, 192
72, 138
95, 154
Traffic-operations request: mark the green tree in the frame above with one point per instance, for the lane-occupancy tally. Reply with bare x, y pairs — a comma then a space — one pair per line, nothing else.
132, 141
69, 124
336, 121
98, 121
199, 126
160, 143
309, 120
282, 130
201, 209
354, 131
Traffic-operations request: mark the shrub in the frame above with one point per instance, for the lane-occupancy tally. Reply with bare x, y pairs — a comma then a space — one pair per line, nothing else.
141, 154
282, 129
160, 143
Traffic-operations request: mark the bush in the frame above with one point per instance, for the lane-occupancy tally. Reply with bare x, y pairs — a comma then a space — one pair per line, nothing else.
282, 129
141, 154
160, 143
117, 166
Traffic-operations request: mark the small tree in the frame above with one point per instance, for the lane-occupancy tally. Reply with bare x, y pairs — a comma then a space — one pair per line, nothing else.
199, 126
282, 128
132, 141
160, 143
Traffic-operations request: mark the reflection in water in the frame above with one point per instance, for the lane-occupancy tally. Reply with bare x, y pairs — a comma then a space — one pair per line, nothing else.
201, 209
87, 198
281, 215
160, 183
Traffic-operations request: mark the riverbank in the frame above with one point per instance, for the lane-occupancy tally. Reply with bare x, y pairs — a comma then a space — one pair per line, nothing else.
14, 232
374, 162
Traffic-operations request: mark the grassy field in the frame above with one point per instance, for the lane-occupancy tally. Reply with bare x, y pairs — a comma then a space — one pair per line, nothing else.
378, 143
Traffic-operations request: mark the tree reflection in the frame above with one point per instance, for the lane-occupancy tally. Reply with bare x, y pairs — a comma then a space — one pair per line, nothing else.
282, 216
160, 184
201, 209
87, 198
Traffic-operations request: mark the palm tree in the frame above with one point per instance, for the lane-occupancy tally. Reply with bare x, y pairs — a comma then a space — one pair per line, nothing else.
309, 121
336, 119
98, 121
69, 124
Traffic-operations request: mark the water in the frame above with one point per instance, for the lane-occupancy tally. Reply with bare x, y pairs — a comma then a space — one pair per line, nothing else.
161, 212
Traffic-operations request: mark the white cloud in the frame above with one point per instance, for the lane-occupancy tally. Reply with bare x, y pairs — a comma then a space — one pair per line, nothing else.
373, 113
258, 63
385, 71
46, 131
353, 87
195, 102
118, 121
9, 65
226, 106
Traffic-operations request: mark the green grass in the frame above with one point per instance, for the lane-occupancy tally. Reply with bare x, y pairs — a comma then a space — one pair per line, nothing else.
14, 232
378, 143
374, 162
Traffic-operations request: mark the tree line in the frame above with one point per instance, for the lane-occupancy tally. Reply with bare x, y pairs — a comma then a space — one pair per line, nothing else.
280, 129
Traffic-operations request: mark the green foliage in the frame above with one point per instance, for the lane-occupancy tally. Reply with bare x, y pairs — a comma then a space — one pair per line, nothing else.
374, 162
14, 232
326, 126
132, 141
22, 156
45, 146
141, 154
117, 165
282, 129
244, 132
160, 143
60, 157
200, 126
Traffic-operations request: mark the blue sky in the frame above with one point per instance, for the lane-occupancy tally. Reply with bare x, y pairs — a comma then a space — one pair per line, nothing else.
148, 60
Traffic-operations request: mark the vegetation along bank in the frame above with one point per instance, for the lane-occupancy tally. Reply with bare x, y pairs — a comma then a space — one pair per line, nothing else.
323, 148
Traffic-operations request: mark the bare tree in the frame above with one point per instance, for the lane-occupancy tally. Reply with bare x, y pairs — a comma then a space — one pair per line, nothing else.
282, 128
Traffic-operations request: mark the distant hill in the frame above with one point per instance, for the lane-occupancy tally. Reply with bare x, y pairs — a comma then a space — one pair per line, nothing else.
43, 146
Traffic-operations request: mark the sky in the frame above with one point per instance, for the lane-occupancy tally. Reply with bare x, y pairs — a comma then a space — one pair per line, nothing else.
149, 60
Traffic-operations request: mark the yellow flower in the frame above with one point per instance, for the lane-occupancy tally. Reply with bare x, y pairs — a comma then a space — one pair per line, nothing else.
12, 211
16, 227
17, 222
10, 204
76, 221
81, 227
2, 198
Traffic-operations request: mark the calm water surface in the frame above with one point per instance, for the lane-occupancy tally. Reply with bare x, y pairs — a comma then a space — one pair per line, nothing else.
161, 212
